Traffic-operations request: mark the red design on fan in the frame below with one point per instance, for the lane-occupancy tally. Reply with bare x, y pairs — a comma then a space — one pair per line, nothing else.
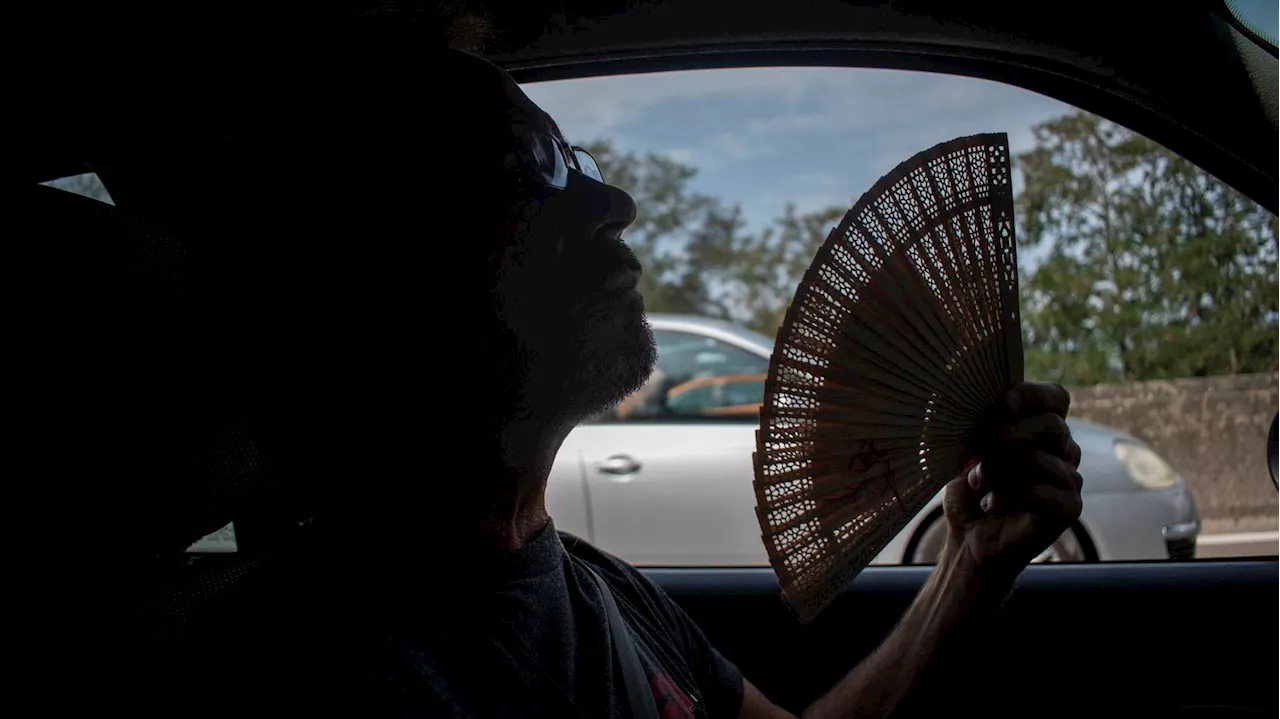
671, 701
860, 463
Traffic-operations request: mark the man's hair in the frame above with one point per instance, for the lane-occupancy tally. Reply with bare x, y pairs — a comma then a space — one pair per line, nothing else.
456, 24
466, 27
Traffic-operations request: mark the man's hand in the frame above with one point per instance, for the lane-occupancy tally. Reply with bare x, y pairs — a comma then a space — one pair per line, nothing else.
1025, 491
1001, 513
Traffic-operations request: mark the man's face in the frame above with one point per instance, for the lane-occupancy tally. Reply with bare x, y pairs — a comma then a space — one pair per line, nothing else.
569, 321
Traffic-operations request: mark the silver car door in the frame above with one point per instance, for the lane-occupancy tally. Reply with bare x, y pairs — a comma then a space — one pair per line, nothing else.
669, 472
673, 494
567, 492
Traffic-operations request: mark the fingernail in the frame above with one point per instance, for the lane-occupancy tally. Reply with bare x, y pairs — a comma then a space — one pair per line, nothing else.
974, 478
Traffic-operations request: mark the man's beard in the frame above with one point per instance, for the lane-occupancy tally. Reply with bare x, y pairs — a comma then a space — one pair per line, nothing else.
573, 350
614, 355
582, 363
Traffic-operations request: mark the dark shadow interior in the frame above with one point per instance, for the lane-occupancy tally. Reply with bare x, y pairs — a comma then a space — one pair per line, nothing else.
1114, 640
1124, 640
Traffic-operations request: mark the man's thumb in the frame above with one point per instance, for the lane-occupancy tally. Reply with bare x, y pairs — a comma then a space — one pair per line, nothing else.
963, 498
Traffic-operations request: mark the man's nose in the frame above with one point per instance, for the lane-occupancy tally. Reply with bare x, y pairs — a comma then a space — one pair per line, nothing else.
609, 211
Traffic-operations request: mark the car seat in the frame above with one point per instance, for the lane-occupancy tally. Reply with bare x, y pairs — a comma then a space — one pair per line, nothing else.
183, 465
198, 447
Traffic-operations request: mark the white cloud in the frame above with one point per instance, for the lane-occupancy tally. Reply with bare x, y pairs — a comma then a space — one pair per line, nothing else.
683, 155
760, 111
815, 137
808, 191
603, 106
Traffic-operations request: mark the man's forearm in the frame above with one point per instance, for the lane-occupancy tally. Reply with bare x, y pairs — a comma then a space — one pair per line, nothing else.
952, 607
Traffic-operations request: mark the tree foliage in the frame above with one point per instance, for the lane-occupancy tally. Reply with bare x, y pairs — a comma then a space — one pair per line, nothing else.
1137, 264
1154, 268
698, 256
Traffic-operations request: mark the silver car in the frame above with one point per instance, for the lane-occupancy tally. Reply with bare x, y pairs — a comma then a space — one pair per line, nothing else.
666, 478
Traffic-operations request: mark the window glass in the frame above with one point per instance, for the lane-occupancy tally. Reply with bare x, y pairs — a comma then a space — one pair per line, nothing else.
219, 542
86, 184
698, 377
1259, 16
1148, 289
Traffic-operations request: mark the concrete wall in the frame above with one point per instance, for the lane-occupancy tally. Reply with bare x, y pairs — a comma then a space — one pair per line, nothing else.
1213, 430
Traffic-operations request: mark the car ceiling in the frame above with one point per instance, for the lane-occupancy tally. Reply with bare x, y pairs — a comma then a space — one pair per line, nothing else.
1183, 74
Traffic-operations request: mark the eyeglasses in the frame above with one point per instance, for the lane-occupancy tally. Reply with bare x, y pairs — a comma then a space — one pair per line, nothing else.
546, 159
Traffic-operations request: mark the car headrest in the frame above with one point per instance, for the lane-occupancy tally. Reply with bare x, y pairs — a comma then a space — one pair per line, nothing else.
182, 462
255, 315
211, 424
318, 312
188, 463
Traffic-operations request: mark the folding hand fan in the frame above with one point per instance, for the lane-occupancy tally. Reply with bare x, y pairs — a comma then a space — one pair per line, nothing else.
901, 339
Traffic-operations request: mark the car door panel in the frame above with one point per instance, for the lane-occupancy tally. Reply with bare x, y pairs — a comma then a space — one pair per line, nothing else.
689, 500
674, 487
1113, 640
567, 500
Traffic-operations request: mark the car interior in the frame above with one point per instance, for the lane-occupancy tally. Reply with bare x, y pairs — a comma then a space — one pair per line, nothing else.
1119, 639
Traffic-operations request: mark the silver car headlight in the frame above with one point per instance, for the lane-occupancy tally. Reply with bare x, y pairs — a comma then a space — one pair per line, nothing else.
1144, 466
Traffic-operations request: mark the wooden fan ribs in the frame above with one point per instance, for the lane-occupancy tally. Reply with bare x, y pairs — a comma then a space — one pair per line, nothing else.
935, 341
859, 330
903, 333
895, 361
943, 266
967, 238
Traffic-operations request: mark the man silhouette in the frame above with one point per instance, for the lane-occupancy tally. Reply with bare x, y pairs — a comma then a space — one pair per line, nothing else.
434, 578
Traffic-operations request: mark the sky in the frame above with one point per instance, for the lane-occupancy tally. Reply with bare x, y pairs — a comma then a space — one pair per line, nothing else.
817, 137
763, 137
1261, 15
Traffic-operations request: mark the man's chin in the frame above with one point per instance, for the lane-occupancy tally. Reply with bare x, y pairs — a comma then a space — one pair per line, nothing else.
618, 357
619, 304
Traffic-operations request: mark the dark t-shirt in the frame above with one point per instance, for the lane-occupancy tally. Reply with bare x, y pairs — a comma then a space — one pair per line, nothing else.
322, 632
537, 637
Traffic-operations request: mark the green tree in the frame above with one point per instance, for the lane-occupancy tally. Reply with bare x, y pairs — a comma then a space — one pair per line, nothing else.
1155, 269
670, 219
698, 256
769, 267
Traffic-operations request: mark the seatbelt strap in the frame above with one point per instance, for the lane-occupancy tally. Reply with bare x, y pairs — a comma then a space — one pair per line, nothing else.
639, 693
